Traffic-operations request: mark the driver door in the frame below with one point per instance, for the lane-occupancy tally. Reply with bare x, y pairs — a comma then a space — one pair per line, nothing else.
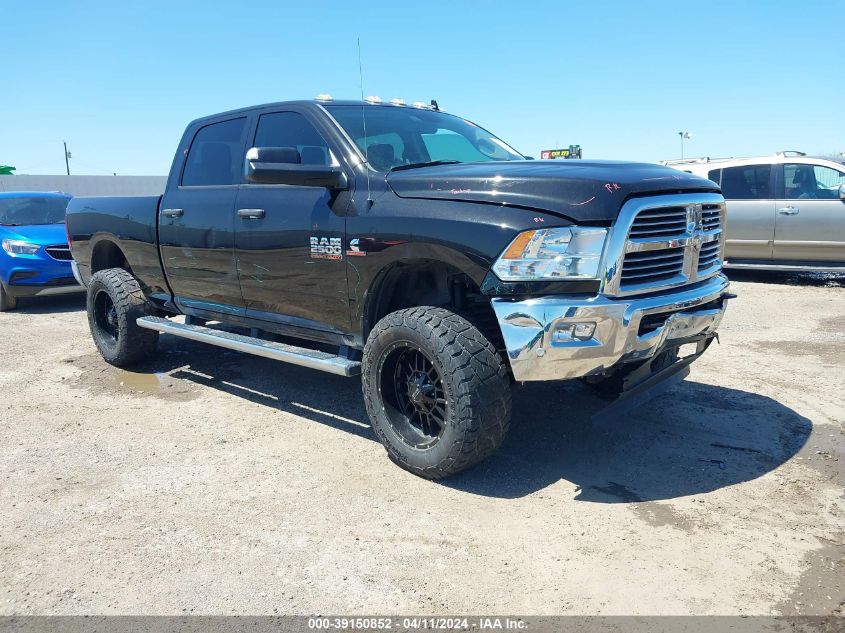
289, 239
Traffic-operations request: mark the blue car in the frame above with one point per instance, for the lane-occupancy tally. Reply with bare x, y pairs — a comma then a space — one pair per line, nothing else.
34, 256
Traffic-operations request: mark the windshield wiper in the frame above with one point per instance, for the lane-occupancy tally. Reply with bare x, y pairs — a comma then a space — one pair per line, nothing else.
428, 163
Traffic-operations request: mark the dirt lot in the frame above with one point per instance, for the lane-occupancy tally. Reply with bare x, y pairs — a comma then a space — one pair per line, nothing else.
212, 482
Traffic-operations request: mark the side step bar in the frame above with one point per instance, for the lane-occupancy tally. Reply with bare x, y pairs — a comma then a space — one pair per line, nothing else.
786, 268
304, 357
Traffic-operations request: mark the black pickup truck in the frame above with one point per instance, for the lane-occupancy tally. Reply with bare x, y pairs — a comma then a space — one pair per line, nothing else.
415, 248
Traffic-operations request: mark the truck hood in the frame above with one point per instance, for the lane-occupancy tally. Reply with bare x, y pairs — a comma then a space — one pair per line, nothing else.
580, 191
42, 234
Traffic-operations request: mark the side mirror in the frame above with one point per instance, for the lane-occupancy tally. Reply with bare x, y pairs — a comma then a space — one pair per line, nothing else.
283, 166
842, 192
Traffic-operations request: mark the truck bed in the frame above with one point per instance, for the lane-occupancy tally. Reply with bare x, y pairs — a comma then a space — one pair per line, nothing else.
96, 225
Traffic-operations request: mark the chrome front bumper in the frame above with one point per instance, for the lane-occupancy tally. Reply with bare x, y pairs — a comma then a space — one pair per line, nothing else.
539, 344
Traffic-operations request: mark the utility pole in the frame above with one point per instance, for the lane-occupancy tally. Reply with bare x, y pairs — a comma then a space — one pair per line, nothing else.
67, 155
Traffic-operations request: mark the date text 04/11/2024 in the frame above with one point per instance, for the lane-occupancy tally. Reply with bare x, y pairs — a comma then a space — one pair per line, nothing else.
417, 623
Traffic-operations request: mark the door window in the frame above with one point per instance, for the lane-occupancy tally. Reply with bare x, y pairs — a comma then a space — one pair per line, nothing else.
748, 182
216, 155
383, 151
811, 182
291, 129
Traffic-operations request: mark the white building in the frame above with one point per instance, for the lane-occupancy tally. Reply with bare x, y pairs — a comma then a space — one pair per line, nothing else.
87, 185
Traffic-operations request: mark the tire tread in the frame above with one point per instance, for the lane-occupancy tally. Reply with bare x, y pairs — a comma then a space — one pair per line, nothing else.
483, 403
135, 343
7, 301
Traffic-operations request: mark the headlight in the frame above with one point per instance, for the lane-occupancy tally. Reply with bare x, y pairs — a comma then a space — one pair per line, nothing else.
16, 247
552, 254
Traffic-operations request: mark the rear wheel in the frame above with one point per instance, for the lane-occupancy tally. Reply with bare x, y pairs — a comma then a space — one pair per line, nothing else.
436, 391
115, 301
7, 301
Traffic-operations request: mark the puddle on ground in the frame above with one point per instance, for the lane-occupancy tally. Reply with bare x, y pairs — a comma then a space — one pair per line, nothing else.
97, 377
148, 383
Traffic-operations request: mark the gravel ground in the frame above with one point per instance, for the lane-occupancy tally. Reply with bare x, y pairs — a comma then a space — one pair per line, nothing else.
212, 482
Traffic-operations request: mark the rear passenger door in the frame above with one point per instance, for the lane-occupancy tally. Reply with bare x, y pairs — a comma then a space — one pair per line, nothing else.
197, 220
750, 226
810, 221
290, 239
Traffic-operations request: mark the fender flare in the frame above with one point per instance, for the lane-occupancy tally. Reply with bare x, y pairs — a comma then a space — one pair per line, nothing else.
410, 254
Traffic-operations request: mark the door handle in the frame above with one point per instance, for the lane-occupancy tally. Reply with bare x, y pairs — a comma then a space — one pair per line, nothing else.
251, 214
788, 211
173, 213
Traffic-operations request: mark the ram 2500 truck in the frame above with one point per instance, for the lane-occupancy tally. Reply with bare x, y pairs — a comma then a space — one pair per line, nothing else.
417, 249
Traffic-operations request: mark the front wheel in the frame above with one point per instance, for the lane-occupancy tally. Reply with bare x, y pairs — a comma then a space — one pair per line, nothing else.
115, 301
7, 301
436, 391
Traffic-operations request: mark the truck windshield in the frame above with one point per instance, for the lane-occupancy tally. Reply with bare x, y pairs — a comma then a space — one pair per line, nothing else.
399, 136
30, 210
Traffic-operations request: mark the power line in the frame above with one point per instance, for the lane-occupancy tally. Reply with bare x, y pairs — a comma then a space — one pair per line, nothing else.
110, 171
49, 162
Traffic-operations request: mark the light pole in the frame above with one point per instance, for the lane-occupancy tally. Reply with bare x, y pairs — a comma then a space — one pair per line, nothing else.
684, 135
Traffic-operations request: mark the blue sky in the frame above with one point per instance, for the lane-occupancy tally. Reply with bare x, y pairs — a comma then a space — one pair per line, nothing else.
119, 81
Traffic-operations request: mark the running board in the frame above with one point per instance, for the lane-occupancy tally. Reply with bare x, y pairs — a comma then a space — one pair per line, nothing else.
787, 268
302, 356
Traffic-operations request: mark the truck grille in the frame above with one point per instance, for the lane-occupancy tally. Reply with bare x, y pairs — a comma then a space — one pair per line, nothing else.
710, 256
659, 222
60, 252
652, 266
711, 217
667, 244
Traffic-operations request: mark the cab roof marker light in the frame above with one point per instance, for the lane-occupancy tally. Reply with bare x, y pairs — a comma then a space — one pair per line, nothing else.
372, 99
323, 97
397, 101
420, 104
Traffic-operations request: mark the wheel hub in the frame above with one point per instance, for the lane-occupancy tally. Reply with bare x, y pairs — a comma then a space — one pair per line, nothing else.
413, 387
420, 390
105, 316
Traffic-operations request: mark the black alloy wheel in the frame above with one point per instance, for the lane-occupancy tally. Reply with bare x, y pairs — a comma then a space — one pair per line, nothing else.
105, 316
437, 392
115, 301
413, 388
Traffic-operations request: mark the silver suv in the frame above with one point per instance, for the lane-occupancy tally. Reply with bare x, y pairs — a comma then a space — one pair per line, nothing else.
784, 212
